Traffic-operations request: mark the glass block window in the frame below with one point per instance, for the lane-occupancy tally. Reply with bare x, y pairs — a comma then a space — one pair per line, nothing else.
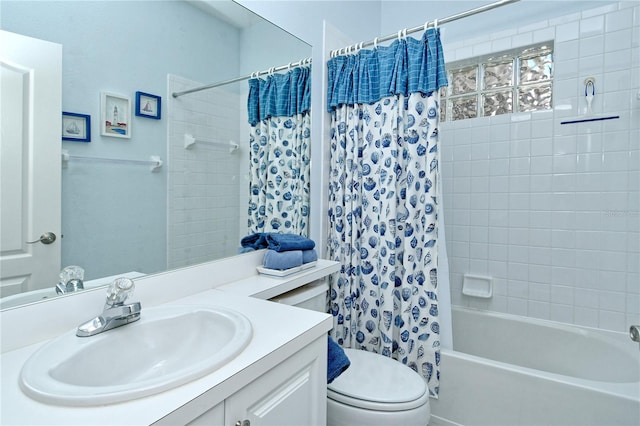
496, 103
464, 107
464, 80
443, 109
534, 97
498, 75
513, 81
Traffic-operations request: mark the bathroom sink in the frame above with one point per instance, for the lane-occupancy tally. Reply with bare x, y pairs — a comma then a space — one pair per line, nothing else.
169, 346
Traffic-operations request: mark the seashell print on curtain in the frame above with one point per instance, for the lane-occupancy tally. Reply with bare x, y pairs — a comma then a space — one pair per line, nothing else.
383, 218
279, 177
280, 141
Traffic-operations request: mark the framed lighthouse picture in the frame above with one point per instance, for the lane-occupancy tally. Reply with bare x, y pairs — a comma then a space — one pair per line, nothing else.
116, 115
148, 105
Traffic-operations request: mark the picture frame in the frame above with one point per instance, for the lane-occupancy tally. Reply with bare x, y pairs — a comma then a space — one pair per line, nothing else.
76, 127
148, 105
115, 113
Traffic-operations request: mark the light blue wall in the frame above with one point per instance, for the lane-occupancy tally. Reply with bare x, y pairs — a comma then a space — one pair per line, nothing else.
118, 212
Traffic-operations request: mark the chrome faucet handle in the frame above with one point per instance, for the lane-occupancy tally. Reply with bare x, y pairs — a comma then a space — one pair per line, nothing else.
71, 272
70, 280
115, 313
119, 290
634, 333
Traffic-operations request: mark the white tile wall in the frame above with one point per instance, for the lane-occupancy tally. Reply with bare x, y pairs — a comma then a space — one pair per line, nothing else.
204, 181
550, 211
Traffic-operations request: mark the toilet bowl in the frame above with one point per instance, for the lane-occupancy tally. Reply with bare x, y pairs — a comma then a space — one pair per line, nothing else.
374, 390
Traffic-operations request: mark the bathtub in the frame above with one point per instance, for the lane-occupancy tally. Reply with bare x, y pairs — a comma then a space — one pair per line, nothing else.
512, 370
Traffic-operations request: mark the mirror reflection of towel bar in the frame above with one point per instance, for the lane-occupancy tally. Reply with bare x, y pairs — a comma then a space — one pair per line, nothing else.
154, 161
190, 141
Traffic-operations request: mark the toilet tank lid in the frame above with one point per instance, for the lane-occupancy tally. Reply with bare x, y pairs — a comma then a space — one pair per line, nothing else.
377, 378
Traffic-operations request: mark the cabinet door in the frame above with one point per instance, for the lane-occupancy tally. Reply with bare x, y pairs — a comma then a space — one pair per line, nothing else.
293, 393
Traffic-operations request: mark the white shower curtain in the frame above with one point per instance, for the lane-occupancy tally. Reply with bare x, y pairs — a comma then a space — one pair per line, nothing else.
383, 207
280, 142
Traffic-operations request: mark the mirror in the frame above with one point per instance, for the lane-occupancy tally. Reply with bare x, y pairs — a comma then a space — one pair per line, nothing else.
119, 216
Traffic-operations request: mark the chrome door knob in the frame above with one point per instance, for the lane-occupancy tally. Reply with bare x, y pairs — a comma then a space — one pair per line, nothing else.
46, 238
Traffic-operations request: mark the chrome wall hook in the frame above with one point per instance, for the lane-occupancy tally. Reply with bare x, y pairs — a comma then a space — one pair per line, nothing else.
589, 92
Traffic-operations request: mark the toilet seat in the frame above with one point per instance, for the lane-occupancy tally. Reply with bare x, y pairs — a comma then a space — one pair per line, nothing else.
376, 382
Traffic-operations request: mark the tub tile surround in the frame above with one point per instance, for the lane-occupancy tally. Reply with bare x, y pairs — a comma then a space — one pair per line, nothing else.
197, 285
204, 181
551, 211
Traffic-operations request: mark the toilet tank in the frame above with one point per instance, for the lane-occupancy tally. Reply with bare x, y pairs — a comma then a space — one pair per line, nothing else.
311, 296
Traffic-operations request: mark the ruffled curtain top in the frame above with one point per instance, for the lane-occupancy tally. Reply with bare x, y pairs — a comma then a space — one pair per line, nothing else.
280, 95
406, 66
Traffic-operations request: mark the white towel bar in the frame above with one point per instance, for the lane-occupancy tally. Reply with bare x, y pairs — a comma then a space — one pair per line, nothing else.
190, 141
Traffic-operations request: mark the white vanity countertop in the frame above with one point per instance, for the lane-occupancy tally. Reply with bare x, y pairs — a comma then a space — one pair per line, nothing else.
268, 286
279, 331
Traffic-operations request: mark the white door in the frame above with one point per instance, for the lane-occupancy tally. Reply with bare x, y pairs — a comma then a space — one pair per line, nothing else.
30, 148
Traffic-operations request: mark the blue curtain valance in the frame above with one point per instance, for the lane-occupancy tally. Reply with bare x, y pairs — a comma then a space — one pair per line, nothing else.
279, 95
406, 66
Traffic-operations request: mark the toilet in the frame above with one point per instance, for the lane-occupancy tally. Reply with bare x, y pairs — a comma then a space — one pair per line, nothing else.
374, 390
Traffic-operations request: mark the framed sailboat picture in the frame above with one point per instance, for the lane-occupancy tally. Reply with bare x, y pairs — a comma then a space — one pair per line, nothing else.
116, 115
148, 105
76, 127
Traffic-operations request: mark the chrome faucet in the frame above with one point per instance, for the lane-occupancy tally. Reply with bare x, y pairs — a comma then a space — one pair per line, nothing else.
71, 279
115, 313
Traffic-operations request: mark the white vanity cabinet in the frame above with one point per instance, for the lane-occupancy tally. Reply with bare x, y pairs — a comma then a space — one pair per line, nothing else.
215, 416
293, 393
278, 379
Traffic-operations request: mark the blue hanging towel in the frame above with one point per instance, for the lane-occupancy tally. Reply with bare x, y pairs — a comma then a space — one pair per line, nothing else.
337, 360
287, 242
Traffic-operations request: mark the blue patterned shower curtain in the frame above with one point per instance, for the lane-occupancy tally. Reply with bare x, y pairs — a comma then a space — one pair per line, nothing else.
384, 106
279, 109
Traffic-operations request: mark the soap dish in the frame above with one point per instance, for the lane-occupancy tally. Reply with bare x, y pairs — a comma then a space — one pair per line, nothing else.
283, 273
477, 286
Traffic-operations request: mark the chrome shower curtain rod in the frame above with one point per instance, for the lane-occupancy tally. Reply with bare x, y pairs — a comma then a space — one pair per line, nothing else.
435, 23
302, 62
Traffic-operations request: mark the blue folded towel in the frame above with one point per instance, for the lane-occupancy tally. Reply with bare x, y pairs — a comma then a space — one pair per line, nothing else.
337, 360
286, 242
309, 256
255, 241
282, 260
